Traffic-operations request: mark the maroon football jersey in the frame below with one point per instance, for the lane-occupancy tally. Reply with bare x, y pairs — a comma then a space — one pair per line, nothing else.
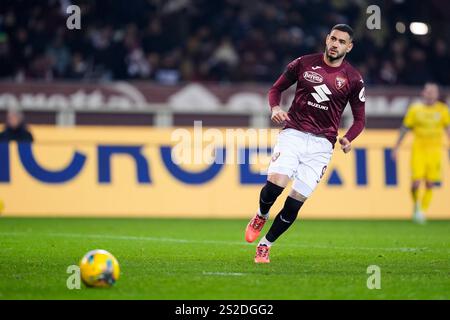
321, 96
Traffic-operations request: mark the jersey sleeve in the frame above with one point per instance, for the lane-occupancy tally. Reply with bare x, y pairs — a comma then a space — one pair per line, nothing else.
292, 70
409, 119
287, 79
357, 102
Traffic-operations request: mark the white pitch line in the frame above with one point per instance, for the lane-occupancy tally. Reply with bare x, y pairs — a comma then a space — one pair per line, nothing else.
223, 273
222, 242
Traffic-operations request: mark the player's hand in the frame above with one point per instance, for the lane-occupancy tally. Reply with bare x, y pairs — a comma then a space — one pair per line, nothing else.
394, 154
278, 115
346, 146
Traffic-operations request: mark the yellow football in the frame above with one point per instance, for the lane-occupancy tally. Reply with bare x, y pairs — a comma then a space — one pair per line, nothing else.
99, 268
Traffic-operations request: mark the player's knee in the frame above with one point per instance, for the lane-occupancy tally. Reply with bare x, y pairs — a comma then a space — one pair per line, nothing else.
297, 196
415, 185
429, 185
278, 179
270, 192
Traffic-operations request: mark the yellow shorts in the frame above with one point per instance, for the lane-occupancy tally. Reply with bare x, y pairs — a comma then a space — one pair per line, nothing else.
426, 164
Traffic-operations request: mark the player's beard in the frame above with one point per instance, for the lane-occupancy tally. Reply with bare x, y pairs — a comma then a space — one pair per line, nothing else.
331, 58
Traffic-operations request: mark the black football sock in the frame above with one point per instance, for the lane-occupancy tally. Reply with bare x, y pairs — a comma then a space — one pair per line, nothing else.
284, 219
267, 197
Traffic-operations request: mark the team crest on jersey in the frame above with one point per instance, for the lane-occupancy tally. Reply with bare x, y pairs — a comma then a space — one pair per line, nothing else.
340, 82
275, 156
313, 77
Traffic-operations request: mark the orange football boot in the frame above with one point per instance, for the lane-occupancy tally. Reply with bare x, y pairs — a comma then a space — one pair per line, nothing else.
262, 254
254, 227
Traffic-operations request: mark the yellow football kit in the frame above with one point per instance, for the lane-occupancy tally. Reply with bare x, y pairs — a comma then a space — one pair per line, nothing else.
428, 124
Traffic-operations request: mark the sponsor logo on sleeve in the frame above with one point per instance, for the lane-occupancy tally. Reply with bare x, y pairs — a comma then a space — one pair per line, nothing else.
362, 95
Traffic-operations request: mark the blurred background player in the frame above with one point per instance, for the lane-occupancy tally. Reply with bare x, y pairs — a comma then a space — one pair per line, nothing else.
15, 128
325, 83
427, 120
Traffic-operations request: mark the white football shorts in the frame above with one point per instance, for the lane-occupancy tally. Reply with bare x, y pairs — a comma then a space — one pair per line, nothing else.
303, 157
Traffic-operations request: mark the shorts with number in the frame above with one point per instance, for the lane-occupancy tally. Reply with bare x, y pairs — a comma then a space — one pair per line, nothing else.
426, 164
303, 157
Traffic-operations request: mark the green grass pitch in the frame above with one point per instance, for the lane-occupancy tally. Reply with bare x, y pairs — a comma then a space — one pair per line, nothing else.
209, 259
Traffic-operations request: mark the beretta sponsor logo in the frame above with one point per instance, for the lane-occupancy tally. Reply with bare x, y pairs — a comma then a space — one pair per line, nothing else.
313, 77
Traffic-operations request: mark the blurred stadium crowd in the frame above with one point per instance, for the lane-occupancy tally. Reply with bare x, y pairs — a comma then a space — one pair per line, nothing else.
171, 41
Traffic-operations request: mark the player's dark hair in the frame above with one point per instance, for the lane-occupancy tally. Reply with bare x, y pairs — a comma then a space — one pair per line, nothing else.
344, 28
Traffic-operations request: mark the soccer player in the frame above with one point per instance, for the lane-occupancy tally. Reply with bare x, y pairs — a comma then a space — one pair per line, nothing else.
427, 120
325, 83
15, 128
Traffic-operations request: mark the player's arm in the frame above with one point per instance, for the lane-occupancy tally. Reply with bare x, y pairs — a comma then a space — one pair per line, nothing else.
448, 139
408, 123
287, 79
447, 128
358, 104
448, 134
401, 135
